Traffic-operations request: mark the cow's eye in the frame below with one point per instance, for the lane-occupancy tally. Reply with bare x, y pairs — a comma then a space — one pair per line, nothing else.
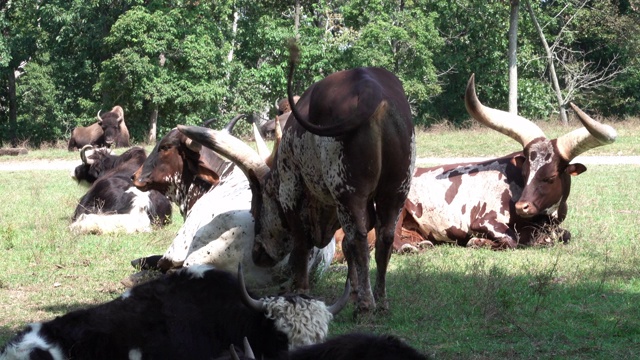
164, 148
550, 179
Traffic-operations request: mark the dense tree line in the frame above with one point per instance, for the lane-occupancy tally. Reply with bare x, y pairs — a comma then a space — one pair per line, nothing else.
185, 61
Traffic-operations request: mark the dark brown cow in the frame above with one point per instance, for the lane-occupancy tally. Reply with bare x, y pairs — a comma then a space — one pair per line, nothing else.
110, 129
346, 161
506, 201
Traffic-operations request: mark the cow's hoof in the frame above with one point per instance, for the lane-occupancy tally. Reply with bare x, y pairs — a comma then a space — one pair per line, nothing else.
146, 263
425, 244
407, 249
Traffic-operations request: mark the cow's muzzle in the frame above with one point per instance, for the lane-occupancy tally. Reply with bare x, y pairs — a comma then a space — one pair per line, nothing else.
526, 209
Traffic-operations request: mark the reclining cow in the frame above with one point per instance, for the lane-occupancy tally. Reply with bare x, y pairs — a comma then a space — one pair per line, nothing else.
345, 162
98, 161
194, 313
109, 130
354, 346
214, 196
506, 201
112, 203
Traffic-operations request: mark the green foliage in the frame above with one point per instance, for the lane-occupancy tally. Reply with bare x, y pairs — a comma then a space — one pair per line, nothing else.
192, 61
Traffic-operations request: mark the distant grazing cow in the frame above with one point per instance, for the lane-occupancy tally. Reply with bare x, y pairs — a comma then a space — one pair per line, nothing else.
355, 346
109, 130
112, 203
195, 313
506, 201
219, 227
346, 161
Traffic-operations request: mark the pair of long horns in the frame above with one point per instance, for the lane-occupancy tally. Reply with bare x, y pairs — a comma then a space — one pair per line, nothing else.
570, 145
259, 305
251, 162
120, 114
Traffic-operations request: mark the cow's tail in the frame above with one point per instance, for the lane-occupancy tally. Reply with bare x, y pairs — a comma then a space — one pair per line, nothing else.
332, 130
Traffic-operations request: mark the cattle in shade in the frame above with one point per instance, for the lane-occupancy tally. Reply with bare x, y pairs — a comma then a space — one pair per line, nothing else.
109, 130
354, 346
516, 199
112, 203
194, 313
219, 228
345, 162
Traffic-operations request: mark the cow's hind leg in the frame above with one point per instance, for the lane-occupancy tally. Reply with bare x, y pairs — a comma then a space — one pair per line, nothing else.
356, 251
388, 214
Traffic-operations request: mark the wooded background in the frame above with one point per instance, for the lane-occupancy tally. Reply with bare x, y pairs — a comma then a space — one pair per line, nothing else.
183, 62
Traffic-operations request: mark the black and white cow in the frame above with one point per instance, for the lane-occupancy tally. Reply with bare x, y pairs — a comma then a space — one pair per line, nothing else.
112, 203
194, 313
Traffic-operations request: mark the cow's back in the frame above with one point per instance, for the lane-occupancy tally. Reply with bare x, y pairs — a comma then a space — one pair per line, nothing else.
445, 201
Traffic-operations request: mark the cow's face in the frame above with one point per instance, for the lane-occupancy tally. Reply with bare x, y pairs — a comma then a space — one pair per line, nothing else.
547, 178
173, 160
110, 124
164, 165
272, 242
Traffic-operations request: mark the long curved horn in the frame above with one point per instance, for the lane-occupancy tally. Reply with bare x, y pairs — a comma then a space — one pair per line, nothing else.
248, 351
271, 158
228, 146
263, 150
244, 295
232, 123
233, 353
592, 135
98, 116
516, 127
83, 154
342, 301
193, 145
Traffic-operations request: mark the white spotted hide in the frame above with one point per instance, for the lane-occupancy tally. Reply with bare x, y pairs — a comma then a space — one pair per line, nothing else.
219, 231
474, 194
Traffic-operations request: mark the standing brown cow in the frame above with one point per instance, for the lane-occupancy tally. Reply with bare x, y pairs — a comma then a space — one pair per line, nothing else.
109, 130
346, 161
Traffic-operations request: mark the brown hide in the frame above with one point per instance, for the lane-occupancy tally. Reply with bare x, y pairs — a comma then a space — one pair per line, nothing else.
112, 122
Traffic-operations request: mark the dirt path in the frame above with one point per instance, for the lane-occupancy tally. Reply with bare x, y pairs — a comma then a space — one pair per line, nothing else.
71, 164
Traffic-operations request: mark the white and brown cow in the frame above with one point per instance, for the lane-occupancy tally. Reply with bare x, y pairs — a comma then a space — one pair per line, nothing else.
346, 161
215, 200
505, 201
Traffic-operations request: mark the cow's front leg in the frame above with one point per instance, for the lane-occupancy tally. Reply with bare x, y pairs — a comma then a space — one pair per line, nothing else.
498, 235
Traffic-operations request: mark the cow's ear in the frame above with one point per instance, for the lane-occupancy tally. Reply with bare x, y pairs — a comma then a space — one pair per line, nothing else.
205, 173
575, 169
517, 161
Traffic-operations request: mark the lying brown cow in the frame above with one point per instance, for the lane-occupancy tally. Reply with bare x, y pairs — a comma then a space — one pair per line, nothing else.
110, 130
506, 201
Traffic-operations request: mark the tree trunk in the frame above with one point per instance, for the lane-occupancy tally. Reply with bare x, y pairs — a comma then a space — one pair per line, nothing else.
296, 19
153, 125
513, 57
552, 68
13, 111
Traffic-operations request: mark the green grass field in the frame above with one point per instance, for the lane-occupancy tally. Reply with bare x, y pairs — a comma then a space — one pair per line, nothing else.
574, 301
